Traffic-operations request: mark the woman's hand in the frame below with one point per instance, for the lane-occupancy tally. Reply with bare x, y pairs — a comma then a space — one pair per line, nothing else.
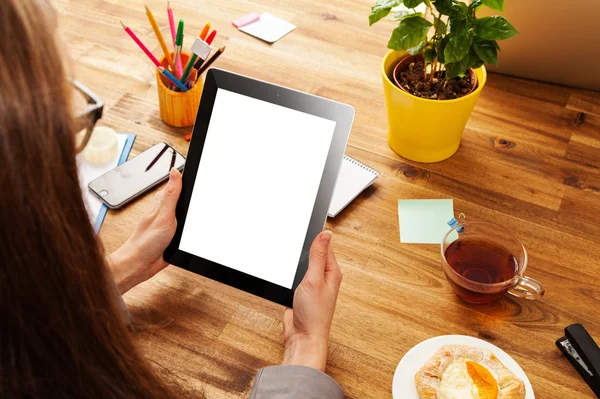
306, 327
141, 257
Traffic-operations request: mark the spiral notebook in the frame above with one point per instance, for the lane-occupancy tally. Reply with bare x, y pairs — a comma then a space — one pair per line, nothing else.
354, 178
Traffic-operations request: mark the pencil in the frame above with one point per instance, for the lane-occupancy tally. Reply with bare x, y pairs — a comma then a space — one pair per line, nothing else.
178, 44
171, 23
173, 157
173, 79
159, 36
141, 45
208, 63
157, 157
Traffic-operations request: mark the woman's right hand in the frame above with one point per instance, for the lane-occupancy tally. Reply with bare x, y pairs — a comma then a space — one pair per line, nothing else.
306, 327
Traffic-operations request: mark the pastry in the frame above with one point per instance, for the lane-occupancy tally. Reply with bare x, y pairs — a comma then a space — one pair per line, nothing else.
467, 372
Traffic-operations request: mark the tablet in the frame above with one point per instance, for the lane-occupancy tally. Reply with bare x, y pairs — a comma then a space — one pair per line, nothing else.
258, 180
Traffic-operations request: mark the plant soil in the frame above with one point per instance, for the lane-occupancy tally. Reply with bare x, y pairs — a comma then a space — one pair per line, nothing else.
412, 80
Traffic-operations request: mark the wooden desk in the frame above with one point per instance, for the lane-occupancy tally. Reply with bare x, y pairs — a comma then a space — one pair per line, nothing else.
529, 159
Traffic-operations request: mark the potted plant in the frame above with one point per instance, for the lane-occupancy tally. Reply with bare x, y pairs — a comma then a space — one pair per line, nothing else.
434, 73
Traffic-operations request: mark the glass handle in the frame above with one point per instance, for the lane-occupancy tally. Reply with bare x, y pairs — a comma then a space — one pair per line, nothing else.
528, 288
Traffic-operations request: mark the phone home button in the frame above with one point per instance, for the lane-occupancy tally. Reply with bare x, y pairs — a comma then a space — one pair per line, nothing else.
103, 193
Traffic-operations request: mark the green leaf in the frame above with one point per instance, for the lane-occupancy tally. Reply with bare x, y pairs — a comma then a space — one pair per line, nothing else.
458, 69
411, 31
459, 43
412, 3
486, 50
429, 55
441, 28
463, 9
418, 48
474, 60
445, 7
381, 9
494, 4
494, 28
398, 14
440, 47
474, 4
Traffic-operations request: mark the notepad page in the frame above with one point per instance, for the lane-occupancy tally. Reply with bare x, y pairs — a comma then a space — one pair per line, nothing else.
354, 178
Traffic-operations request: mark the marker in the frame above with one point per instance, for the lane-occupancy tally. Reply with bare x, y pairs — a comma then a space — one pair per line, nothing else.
178, 44
205, 31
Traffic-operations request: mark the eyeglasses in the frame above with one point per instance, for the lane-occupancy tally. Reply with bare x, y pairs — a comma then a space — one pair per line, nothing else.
86, 119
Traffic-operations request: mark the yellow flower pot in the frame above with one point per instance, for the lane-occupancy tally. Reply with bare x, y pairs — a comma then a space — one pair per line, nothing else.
420, 129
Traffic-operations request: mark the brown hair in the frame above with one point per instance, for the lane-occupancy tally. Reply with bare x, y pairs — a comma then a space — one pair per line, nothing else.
61, 334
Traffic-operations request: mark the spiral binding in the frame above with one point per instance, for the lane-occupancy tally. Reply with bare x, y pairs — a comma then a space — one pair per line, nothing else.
362, 165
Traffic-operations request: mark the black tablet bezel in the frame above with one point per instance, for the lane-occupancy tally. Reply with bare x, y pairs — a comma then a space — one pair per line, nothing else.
342, 114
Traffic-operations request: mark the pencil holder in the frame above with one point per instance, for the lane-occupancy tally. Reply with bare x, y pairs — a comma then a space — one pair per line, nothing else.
178, 109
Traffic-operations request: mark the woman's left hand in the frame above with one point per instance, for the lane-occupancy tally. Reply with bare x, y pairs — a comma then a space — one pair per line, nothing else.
141, 257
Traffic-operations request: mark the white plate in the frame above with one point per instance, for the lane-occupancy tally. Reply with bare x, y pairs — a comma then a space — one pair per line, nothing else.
403, 386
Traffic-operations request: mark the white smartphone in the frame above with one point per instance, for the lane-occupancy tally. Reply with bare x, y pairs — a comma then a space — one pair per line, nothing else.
133, 178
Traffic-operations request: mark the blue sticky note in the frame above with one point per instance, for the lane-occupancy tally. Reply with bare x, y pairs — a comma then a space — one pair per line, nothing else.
424, 221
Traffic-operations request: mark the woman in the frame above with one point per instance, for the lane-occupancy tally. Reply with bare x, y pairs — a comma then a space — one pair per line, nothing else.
62, 334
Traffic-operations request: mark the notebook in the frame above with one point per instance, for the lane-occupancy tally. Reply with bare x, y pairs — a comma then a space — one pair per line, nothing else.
354, 178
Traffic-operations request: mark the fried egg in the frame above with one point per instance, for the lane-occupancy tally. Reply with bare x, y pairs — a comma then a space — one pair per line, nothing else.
466, 379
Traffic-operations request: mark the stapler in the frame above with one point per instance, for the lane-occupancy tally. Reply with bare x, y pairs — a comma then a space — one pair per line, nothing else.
583, 353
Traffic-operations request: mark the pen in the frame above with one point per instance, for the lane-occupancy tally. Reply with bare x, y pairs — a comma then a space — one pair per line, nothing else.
141, 45
208, 63
156, 158
173, 79
173, 159
178, 44
159, 36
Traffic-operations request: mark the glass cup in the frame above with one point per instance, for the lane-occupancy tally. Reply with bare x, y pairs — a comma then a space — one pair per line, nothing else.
483, 261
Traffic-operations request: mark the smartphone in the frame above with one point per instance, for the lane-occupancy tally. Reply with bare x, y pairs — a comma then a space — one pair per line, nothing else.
131, 179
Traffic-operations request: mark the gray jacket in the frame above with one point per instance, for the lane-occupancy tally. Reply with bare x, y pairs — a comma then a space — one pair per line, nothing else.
298, 382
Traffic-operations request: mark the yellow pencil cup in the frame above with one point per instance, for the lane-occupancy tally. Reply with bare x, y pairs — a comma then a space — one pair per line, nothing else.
420, 129
178, 109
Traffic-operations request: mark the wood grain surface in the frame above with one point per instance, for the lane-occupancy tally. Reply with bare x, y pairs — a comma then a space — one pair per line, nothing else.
529, 160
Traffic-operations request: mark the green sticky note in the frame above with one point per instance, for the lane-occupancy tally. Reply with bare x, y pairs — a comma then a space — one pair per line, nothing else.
424, 221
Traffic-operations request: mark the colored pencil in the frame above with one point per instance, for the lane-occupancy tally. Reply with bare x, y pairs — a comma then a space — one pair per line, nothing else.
157, 157
178, 44
159, 36
141, 45
209, 62
173, 157
173, 79
188, 68
205, 31
171, 23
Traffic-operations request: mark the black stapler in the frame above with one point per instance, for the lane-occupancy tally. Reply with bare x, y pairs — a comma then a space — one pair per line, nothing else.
583, 353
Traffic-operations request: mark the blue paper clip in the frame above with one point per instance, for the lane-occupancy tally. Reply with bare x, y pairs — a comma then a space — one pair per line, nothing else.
453, 223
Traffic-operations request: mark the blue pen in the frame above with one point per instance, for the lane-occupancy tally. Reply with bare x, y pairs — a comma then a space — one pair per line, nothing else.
173, 79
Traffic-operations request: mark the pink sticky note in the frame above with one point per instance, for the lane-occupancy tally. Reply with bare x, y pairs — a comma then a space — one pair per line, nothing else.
246, 19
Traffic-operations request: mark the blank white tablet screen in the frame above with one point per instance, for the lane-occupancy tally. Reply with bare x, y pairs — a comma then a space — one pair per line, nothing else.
256, 186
